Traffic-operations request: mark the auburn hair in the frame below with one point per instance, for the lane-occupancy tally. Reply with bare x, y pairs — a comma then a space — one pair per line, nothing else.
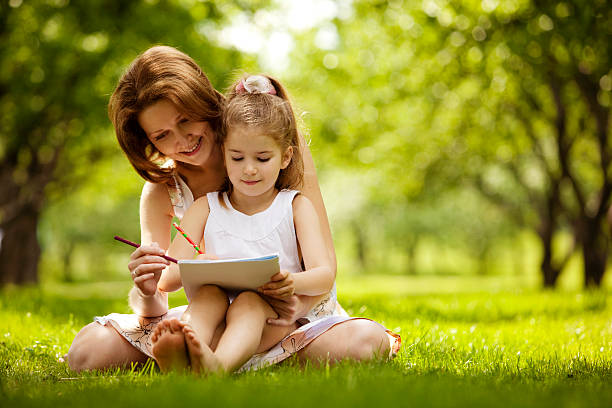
161, 72
274, 116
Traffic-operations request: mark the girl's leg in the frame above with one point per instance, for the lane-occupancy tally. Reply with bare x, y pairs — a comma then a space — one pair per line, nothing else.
273, 334
205, 312
245, 321
358, 339
98, 347
168, 346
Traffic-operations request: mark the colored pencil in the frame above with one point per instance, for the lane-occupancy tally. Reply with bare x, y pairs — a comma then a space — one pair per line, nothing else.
179, 229
125, 241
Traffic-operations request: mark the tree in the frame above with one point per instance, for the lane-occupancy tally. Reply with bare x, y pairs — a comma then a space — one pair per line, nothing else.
552, 62
59, 64
509, 98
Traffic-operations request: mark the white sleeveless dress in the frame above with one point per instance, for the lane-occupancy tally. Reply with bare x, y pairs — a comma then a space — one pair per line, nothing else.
230, 234
326, 314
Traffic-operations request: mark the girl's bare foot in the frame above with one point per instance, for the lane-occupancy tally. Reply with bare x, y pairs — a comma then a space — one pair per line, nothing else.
203, 360
169, 346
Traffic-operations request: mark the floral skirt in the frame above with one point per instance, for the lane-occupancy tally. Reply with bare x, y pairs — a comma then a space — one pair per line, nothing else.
137, 331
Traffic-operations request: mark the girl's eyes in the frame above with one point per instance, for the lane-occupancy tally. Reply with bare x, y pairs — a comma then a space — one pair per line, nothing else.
161, 136
261, 159
184, 120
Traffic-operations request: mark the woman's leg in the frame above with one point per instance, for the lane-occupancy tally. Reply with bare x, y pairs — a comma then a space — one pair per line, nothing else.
358, 339
101, 347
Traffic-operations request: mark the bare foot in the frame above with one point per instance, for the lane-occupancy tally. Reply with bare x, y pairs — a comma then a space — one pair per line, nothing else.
169, 346
203, 360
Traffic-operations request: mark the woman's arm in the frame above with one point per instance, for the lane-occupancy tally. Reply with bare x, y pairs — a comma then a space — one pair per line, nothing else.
146, 264
193, 224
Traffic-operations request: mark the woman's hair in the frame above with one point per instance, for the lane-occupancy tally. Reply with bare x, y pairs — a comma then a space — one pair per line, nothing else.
261, 102
160, 72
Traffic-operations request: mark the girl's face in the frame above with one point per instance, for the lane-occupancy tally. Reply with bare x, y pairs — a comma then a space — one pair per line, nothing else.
176, 136
253, 160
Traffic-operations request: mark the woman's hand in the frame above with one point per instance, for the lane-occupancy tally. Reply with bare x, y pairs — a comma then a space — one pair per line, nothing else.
288, 310
281, 286
291, 308
146, 266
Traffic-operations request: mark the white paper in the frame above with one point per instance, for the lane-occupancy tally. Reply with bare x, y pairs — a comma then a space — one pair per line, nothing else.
233, 274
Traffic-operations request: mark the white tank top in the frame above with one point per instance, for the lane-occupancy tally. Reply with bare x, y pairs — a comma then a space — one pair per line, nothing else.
231, 234
255, 236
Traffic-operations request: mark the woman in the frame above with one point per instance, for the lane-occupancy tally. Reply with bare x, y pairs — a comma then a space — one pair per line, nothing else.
165, 110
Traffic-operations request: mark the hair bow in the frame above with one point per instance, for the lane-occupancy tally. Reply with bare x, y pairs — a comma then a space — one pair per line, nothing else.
256, 84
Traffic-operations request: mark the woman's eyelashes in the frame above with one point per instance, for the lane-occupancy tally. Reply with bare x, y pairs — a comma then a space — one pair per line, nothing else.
181, 121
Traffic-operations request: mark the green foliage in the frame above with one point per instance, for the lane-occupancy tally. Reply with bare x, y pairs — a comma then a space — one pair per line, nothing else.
470, 347
433, 124
424, 102
60, 63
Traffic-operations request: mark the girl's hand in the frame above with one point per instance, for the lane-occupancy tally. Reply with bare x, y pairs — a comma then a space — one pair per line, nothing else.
146, 265
281, 286
209, 257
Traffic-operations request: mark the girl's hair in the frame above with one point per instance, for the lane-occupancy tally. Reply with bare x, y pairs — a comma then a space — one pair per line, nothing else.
270, 112
160, 72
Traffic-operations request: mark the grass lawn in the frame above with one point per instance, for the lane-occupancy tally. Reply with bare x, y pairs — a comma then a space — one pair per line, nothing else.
462, 347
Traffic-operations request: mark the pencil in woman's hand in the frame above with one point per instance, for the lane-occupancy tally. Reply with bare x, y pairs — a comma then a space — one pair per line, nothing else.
179, 229
125, 241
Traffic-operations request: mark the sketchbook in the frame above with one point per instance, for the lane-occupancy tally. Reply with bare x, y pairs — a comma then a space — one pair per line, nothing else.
241, 274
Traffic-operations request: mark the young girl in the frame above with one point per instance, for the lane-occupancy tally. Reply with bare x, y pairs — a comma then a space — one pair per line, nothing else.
258, 212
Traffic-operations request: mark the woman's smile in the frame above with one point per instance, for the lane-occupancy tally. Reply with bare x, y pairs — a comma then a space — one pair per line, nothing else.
194, 149
175, 135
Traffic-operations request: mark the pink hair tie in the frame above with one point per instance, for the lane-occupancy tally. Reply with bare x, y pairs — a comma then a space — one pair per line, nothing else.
256, 84
240, 88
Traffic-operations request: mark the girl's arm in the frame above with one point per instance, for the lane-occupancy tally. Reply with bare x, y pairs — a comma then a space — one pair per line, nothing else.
193, 224
312, 191
300, 305
146, 264
318, 278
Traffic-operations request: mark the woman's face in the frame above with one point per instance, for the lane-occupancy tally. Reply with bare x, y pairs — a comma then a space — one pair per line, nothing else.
176, 136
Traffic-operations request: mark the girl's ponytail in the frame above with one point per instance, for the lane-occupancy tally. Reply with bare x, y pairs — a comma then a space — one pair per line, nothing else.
261, 101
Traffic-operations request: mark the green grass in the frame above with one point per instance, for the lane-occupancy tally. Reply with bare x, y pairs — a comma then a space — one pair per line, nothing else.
461, 346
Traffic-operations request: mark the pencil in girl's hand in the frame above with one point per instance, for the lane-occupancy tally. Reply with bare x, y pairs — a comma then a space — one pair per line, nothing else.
125, 241
179, 229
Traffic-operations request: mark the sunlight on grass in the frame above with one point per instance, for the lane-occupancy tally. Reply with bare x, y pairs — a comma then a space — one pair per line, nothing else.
466, 341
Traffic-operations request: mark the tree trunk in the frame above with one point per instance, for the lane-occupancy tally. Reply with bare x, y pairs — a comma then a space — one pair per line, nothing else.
595, 246
411, 246
20, 250
360, 245
67, 261
550, 273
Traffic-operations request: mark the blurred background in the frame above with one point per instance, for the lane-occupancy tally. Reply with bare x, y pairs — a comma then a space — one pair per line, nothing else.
458, 143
